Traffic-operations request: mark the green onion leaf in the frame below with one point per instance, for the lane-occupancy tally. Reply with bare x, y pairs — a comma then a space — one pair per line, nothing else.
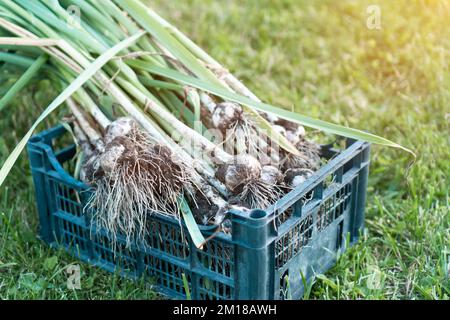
264, 107
74, 86
191, 225
23, 81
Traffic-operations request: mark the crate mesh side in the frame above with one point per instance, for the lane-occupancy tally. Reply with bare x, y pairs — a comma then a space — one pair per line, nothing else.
67, 199
120, 256
73, 236
167, 238
283, 216
166, 274
214, 290
292, 242
334, 207
217, 257
72, 232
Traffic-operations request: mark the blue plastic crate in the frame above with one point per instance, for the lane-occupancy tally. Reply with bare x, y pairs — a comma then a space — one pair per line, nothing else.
268, 255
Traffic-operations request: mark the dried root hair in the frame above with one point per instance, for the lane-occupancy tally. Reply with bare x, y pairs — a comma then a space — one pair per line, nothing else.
133, 177
240, 134
309, 157
259, 194
253, 186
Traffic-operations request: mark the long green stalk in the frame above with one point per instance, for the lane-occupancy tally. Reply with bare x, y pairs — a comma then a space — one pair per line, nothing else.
264, 107
23, 81
152, 24
16, 59
73, 87
61, 57
139, 12
185, 132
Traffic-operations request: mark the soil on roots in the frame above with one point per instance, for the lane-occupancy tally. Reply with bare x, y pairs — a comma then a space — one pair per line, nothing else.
203, 210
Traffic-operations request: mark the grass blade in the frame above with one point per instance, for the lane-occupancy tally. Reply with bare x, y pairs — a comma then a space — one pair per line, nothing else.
74, 86
186, 287
264, 107
23, 81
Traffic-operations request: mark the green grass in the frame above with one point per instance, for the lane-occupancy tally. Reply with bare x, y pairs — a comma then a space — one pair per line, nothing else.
317, 57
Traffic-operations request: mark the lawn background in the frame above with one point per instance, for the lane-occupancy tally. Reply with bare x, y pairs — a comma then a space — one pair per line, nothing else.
318, 58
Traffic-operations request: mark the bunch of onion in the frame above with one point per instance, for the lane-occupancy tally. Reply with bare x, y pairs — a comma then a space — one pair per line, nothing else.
141, 119
141, 162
